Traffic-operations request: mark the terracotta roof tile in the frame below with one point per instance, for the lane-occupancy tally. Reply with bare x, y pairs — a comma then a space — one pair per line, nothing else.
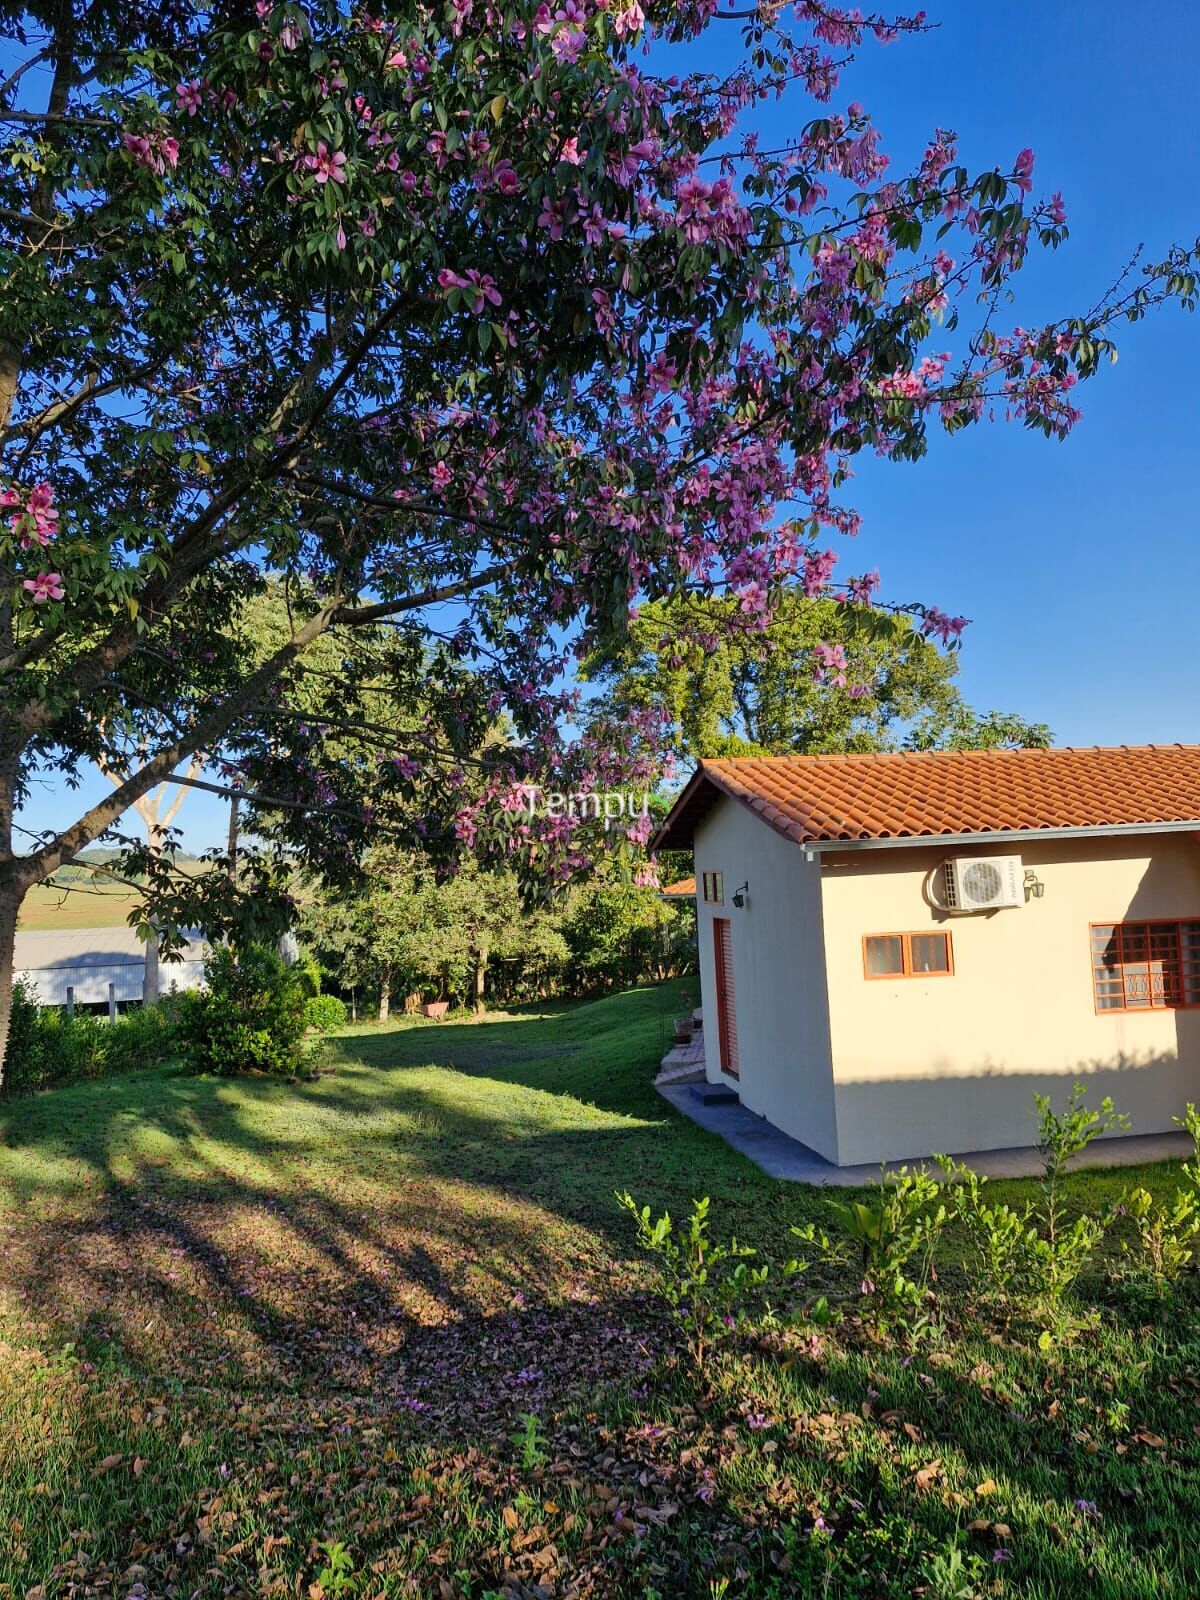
928, 793
681, 889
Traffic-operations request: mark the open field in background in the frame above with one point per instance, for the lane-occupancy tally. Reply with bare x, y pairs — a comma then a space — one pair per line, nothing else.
78, 898
79, 905
255, 1332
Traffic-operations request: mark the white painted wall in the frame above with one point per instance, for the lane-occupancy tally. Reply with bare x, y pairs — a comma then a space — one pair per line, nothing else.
779, 974
949, 1064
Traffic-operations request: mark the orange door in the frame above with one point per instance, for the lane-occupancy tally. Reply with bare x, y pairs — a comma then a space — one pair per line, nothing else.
726, 1012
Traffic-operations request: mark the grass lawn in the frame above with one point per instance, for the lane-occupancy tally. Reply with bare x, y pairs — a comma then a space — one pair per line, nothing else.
269, 1339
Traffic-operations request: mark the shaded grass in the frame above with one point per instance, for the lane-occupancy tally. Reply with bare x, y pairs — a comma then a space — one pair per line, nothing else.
242, 1318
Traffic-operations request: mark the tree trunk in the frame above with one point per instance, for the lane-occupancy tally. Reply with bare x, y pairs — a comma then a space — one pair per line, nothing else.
231, 847
150, 986
12, 892
480, 983
10, 902
150, 989
385, 994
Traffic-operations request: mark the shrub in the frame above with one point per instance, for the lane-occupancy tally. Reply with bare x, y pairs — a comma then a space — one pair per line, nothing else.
251, 1018
711, 1285
324, 1012
48, 1047
896, 1232
1068, 1247
1166, 1238
1003, 1244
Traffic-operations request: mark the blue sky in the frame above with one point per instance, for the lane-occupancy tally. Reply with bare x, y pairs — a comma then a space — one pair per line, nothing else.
1077, 562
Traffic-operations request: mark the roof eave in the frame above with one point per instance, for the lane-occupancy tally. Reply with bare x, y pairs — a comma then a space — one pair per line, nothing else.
1112, 830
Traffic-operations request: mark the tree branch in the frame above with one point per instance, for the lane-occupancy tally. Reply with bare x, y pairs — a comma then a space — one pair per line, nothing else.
211, 728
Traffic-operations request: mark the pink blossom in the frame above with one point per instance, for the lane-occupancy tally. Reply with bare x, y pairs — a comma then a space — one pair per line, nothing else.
568, 45
327, 164
818, 568
156, 151
937, 624
188, 97
862, 589
504, 176
479, 285
752, 599
831, 665
628, 20
1023, 171
34, 517
46, 586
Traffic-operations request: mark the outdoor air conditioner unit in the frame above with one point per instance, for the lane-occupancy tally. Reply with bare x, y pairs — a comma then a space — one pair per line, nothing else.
982, 883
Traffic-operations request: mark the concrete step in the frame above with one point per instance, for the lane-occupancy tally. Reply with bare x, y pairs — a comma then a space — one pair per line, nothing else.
714, 1094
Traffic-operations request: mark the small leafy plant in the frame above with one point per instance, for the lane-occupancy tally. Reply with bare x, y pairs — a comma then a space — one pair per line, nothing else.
711, 1285
951, 1574
336, 1577
1068, 1245
530, 1441
1166, 1238
1003, 1245
895, 1233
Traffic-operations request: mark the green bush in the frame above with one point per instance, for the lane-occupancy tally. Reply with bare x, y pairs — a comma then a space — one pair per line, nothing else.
324, 1013
251, 1018
894, 1233
48, 1047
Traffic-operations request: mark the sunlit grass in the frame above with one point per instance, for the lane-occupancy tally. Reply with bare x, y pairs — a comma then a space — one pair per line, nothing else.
241, 1318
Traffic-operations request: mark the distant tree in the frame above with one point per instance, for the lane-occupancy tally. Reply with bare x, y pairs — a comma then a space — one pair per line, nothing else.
965, 729
622, 934
412, 929
821, 676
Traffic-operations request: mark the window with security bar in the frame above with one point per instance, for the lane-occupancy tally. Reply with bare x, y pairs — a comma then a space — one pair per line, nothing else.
1146, 966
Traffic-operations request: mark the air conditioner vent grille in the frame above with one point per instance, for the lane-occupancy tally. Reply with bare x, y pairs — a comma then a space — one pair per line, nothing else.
982, 883
950, 886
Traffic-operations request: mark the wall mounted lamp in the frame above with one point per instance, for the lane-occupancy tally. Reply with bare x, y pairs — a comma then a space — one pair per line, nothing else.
1034, 887
739, 896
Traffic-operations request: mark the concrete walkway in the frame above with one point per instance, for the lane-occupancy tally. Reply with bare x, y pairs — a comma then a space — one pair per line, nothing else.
781, 1156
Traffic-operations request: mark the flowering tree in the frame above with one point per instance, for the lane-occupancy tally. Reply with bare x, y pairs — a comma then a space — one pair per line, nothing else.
460, 320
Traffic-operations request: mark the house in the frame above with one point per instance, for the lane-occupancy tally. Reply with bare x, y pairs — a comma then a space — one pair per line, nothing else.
897, 950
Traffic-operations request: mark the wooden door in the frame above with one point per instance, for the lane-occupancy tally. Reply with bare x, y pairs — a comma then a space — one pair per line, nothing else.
726, 1010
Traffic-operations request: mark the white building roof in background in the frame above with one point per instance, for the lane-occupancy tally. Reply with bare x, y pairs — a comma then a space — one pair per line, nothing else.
87, 960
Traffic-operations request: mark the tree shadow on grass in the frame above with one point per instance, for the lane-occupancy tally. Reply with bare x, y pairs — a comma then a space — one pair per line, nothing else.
239, 1250
441, 1249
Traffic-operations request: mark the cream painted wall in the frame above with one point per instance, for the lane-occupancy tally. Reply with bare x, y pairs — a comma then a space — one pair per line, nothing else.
924, 1065
779, 974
